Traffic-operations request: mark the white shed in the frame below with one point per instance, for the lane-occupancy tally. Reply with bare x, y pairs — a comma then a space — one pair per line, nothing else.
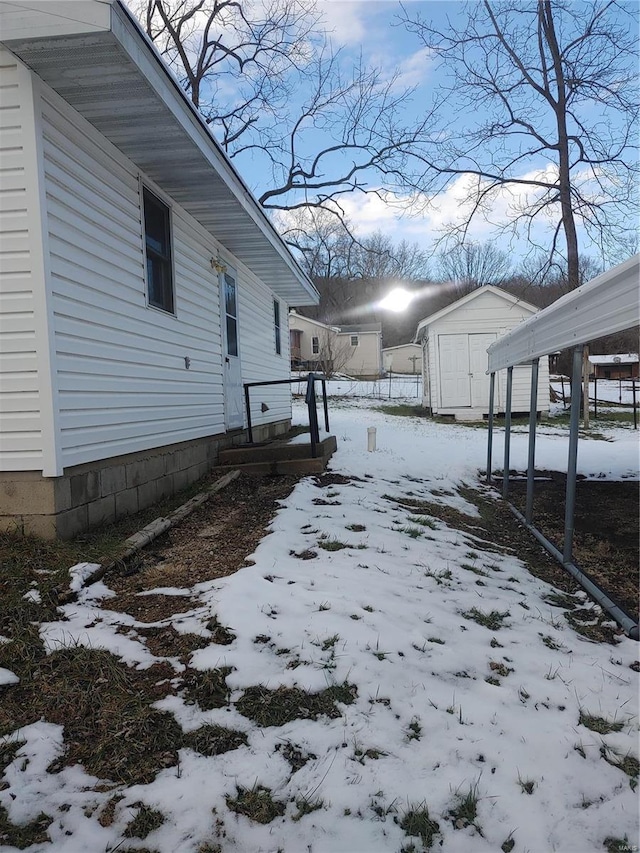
455, 341
141, 283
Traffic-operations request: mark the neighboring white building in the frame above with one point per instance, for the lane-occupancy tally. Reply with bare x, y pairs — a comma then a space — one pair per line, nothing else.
405, 358
455, 342
354, 350
141, 283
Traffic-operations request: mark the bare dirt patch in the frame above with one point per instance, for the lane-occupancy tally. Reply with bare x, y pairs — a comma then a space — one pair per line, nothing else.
606, 534
211, 543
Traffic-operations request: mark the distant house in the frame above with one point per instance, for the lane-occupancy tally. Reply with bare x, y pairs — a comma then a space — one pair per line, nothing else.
405, 358
455, 341
353, 350
621, 366
141, 285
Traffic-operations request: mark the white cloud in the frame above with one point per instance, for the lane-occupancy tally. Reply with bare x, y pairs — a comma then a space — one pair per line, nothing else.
345, 20
414, 69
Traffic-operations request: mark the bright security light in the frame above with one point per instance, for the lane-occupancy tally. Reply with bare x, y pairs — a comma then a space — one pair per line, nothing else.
398, 300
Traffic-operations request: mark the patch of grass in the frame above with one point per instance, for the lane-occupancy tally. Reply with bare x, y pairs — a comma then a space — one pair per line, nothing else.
599, 724
413, 532
618, 845
627, 763
306, 806
104, 707
491, 679
424, 521
495, 644
8, 751
277, 707
207, 688
332, 545
439, 577
256, 803
493, 620
356, 528
214, 740
329, 642
474, 569
550, 643
508, 844
219, 634
465, 811
402, 410
500, 668
294, 755
26, 834
527, 786
414, 730
436, 640
146, 821
416, 823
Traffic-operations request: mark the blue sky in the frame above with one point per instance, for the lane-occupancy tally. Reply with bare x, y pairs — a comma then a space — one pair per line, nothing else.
373, 28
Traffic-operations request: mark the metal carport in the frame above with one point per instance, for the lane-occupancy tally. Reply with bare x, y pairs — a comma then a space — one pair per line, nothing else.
607, 304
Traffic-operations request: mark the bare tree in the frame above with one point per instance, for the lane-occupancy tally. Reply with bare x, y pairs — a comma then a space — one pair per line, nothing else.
548, 91
245, 63
471, 265
330, 249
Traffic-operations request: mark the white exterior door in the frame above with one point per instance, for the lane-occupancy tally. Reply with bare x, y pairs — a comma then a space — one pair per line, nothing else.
455, 386
233, 391
477, 368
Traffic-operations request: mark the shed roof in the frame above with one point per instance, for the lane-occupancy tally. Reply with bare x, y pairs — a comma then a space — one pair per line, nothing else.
470, 297
619, 358
607, 304
95, 55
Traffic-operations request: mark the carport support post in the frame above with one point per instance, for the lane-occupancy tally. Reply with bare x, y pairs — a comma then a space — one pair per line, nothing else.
507, 434
533, 411
492, 391
572, 464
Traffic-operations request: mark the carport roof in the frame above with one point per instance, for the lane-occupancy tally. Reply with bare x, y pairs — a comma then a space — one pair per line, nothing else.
96, 57
607, 304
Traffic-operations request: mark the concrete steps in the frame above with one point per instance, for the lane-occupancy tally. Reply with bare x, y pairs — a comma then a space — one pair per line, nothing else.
278, 457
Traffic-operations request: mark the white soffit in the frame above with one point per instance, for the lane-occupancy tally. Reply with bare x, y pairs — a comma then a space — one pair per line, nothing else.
607, 304
94, 54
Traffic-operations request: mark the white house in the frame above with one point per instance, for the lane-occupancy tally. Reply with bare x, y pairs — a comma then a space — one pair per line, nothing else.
405, 358
455, 342
354, 350
141, 284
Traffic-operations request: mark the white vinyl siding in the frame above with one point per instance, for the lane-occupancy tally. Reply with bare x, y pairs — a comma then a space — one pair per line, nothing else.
260, 363
123, 384
21, 284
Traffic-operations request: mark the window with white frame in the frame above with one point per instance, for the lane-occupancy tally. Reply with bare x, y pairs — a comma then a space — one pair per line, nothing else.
157, 238
315, 345
354, 340
276, 324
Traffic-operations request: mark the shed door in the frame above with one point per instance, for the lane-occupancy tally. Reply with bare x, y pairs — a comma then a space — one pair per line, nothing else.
455, 387
233, 391
478, 361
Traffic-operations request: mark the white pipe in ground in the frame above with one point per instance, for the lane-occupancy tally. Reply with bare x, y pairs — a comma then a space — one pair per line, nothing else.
371, 438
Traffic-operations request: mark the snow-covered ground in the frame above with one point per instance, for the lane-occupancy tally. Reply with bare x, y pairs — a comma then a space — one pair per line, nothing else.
618, 391
389, 614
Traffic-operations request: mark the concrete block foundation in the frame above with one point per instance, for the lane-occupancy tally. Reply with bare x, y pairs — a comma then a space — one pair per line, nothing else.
101, 492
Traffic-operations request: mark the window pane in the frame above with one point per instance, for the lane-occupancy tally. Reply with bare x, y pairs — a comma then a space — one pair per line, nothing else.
156, 225
158, 250
232, 336
230, 296
276, 320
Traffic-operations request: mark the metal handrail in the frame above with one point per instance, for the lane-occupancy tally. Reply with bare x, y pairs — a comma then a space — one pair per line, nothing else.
310, 400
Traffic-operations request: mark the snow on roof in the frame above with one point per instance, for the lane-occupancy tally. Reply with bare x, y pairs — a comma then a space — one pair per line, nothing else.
621, 358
